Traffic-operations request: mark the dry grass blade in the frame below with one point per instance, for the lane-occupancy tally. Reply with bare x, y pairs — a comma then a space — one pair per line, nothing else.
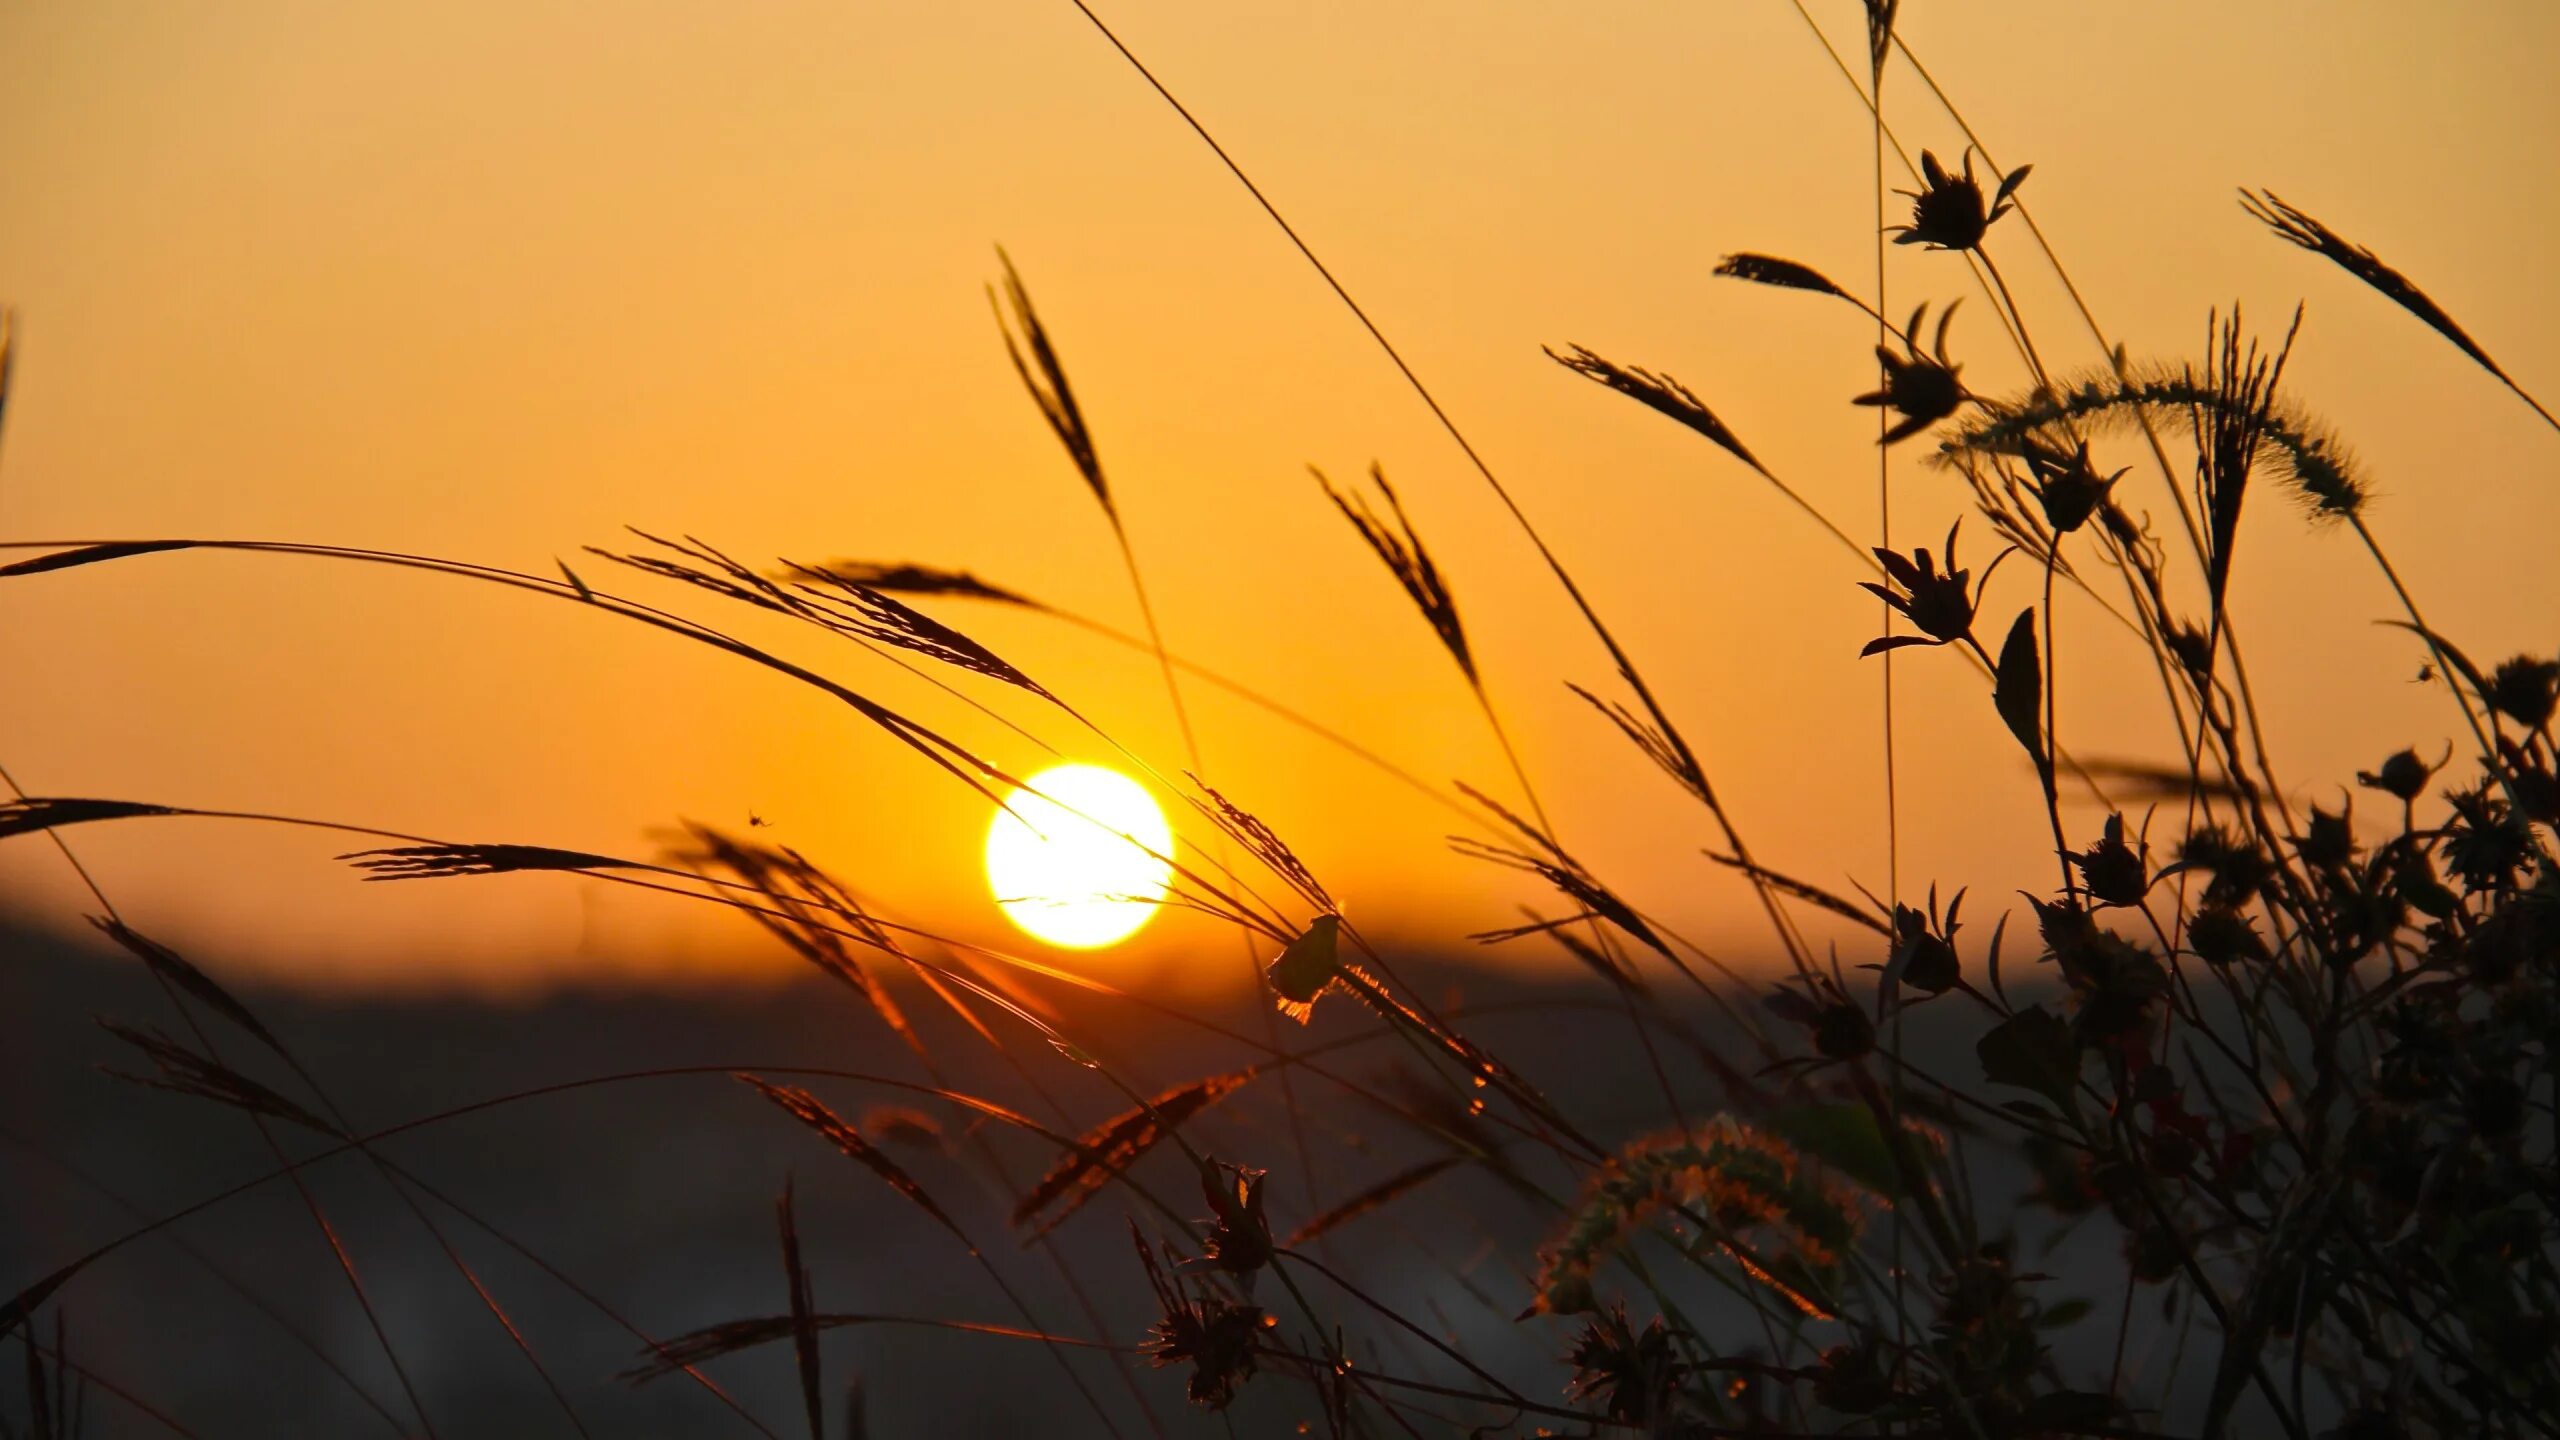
1660, 393
729, 1337
1880, 15
2149, 780
2228, 434
91, 555
24, 1303
1647, 738
1115, 1145
1785, 274
904, 1124
421, 862
31, 814
852, 608
809, 1110
804, 1329
806, 909
906, 577
1370, 1199
1049, 389
833, 602
1593, 958
178, 971
1805, 890
184, 1072
1401, 550
1262, 843
2292, 224
691, 562
1559, 869
40, 1419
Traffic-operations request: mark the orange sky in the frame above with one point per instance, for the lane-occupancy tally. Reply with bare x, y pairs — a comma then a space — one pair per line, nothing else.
490, 281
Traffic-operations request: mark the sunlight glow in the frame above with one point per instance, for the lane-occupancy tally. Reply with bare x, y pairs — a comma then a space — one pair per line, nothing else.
1066, 878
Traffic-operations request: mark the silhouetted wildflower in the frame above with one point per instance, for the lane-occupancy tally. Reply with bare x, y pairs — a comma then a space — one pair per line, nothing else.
2487, 847
1949, 214
2525, 690
1939, 604
1851, 1380
1635, 1375
1239, 1240
2240, 870
1215, 1336
1923, 389
1924, 952
2115, 984
2112, 872
2068, 487
2224, 936
2327, 842
2402, 775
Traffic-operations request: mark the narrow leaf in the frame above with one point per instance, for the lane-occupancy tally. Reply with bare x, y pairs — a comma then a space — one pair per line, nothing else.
24, 1303
1844, 1137
1660, 393
29, 815
414, 862
1369, 1199
2033, 1050
91, 555
1115, 1145
809, 1110
176, 969
184, 1072
804, 1330
1785, 274
2018, 689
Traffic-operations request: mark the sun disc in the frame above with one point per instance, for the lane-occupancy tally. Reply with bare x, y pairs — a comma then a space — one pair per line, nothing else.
1061, 862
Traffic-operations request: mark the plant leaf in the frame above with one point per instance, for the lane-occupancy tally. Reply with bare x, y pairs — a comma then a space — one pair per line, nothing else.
178, 971
1783, 273
2018, 689
1115, 1145
1312, 962
91, 555
2033, 1050
809, 1110
1846, 1138
27, 816
804, 1329
1370, 1199
2062, 1315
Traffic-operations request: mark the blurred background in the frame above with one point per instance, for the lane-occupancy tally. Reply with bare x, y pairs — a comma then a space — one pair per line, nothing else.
493, 281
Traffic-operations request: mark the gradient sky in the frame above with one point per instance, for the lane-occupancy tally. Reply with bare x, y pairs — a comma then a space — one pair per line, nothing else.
492, 280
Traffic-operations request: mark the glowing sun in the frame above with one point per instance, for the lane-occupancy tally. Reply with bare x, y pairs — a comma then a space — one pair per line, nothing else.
1061, 863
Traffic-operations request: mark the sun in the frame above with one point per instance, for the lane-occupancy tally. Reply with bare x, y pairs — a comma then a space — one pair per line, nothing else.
1061, 862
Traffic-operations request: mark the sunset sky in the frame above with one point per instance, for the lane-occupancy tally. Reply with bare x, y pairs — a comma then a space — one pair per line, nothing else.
491, 281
